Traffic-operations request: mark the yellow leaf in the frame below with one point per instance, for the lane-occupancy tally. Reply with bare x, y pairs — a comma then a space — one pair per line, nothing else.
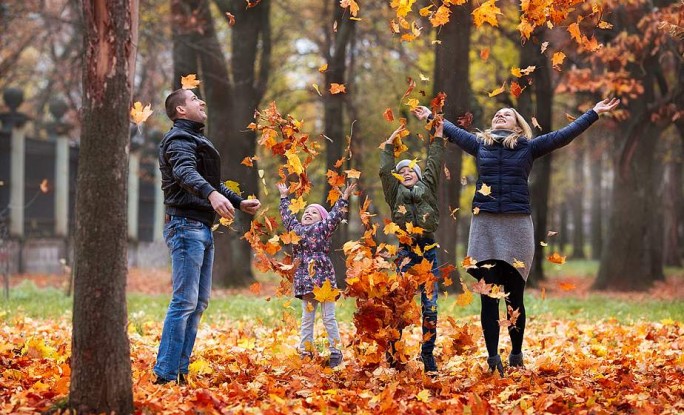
391, 228
312, 268
353, 6
518, 263
412, 164
423, 396
542, 243
416, 230
326, 293
544, 46
424, 78
190, 81
516, 72
486, 13
469, 262
140, 114
425, 11
557, 59
398, 177
353, 174
309, 307
464, 299
200, 367
323, 68
604, 25
401, 209
234, 186
485, 190
226, 222
297, 204
412, 103
294, 164
318, 91
497, 91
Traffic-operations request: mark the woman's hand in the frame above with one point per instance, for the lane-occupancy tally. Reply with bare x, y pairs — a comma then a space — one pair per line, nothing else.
394, 135
348, 191
606, 105
421, 112
283, 189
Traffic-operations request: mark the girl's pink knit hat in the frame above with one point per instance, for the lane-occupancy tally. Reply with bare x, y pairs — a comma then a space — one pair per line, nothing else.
321, 210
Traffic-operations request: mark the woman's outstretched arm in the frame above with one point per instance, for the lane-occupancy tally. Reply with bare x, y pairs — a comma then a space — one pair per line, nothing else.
462, 138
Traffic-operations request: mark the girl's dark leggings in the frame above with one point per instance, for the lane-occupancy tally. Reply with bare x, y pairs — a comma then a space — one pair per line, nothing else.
503, 274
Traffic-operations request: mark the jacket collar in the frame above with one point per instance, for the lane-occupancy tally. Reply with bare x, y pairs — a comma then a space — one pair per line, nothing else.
188, 125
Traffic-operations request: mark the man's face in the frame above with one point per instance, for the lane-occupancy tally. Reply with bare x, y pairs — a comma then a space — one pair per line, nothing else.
193, 109
410, 178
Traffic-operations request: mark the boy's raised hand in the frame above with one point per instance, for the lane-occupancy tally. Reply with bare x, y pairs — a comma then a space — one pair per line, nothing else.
421, 112
348, 191
394, 135
283, 189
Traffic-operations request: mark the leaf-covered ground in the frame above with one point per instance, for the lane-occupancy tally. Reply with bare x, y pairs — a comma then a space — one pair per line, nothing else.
252, 367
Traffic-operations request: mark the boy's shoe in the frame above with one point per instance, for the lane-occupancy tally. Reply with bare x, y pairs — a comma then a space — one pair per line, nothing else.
429, 363
161, 381
335, 358
182, 379
516, 360
494, 363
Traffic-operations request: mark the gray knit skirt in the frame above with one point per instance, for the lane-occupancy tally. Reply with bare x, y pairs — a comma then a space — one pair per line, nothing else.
503, 236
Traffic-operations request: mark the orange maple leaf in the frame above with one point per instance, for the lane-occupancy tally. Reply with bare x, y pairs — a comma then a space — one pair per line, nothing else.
337, 88
190, 81
486, 13
388, 115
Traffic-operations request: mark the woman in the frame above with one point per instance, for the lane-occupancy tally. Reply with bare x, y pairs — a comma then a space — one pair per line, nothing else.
501, 233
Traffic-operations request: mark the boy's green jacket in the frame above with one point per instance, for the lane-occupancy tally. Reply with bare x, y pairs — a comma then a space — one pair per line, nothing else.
419, 202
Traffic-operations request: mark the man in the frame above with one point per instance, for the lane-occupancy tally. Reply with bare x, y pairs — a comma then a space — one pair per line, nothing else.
193, 194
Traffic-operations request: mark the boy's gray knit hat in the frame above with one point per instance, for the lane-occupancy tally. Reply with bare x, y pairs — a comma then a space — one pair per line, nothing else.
406, 163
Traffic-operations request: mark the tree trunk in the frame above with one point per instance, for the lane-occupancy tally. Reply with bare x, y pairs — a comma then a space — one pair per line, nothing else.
577, 204
251, 42
230, 106
596, 178
540, 179
333, 109
100, 360
630, 260
452, 65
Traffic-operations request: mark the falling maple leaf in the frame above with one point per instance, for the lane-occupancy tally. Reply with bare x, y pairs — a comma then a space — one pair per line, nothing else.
337, 88
231, 19
255, 288
485, 190
140, 114
352, 174
353, 6
551, 233
411, 86
323, 68
297, 204
232, 185
544, 46
486, 13
441, 16
497, 91
516, 90
518, 263
567, 286
412, 103
388, 115
556, 258
469, 262
557, 60
484, 54
326, 293
190, 81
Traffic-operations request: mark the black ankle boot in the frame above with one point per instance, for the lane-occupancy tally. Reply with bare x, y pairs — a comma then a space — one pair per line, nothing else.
516, 360
494, 363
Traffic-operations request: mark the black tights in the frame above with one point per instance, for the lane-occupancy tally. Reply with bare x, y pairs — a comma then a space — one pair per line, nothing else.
503, 274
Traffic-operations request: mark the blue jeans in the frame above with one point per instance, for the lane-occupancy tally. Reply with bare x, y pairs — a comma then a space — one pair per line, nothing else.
192, 255
428, 303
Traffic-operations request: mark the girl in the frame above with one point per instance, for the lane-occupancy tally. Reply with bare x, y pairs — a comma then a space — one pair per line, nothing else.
315, 267
502, 231
414, 200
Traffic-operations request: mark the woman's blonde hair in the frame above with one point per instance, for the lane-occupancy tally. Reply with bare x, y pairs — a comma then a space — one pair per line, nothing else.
521, 130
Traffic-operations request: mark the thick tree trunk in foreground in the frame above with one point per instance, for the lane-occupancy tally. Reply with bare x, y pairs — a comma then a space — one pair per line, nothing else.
100, 360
